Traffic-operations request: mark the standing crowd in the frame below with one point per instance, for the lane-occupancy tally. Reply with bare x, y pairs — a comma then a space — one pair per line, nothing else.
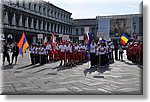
100, 53
71, 54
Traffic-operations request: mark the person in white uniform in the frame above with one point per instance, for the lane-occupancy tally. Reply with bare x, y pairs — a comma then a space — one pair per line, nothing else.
92, 53
102, 54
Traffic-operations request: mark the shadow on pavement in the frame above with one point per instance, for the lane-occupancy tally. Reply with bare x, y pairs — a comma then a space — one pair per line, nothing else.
24, 66
64, 68
93, 69
7, 67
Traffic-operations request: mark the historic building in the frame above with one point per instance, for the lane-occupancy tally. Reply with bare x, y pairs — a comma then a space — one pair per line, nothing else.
38, 19
113, 26
79, 26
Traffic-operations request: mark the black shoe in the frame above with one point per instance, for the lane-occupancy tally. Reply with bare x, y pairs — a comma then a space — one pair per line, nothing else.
60, 64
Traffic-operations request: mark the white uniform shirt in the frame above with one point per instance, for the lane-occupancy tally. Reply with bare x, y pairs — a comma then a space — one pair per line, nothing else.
101, 50
67, 48
79, 48
111, 48
45, 52
76, 48
40, 51
57, 47
49, 47
32, 50
37, 50
71, 48
93, 48
83, 47
107, 49
62, 48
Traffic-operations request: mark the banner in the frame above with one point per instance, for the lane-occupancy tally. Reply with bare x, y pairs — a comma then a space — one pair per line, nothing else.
87, 29
103, 27
65, 37
40, 36
81, 37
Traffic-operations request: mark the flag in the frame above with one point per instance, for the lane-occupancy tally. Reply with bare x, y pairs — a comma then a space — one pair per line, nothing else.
133, 38
124, 39
86, 38
53, 41
23, 44
89, 42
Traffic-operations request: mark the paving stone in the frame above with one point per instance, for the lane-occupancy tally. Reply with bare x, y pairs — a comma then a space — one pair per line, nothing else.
120, 78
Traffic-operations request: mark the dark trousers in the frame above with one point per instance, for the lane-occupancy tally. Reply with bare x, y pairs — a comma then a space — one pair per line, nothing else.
14, 56
120, 55
44, 59
133, 58
116, 54
97, 59
32, 58
141, 59
106, 58
92, 59
37, 58
102, 60
5, 54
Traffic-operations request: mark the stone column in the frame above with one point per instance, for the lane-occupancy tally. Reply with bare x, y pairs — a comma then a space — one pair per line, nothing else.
49, 27
41, 9
20, 21
32, 23
65, 29
27, 4
37, 24
41, 27
50, 12
56, 27
6, 19
37, 8
20, 3
32, 6
46, 11
26, 23
60, 29
45, 26
53, 30
14, 20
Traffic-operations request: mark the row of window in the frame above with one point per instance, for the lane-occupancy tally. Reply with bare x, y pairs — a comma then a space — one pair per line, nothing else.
82, 31
45, 10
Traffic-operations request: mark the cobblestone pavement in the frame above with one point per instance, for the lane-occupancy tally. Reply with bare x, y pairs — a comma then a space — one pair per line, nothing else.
120, 78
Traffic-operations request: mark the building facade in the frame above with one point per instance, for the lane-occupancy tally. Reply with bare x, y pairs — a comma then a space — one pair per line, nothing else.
33, 18
38, 19
79, 25
113, 26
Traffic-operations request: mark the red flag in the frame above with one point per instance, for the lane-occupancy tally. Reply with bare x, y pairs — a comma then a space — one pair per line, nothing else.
86, 38
53, 42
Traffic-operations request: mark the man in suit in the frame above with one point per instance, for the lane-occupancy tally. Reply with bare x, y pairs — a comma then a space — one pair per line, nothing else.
15, 54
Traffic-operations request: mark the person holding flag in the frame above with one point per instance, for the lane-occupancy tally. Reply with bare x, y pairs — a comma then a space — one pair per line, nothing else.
124, 39
23, 44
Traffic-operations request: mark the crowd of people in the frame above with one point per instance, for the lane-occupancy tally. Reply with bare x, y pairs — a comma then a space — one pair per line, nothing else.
71, 54
100, 53
10, 48
135, 52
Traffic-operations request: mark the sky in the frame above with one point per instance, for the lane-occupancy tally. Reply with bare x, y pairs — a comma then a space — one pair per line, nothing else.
93, 8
